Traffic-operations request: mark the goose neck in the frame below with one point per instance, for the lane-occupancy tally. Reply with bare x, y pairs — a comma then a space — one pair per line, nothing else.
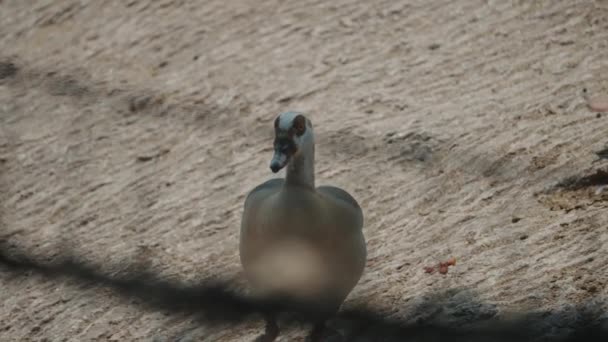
301, 169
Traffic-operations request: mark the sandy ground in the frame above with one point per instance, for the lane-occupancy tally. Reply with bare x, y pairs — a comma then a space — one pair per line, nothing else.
131, 131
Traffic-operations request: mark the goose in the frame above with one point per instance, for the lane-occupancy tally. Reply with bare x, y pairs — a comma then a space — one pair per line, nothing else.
299, 241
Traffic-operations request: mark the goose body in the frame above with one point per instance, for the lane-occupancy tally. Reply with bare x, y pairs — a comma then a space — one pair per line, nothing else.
298, 240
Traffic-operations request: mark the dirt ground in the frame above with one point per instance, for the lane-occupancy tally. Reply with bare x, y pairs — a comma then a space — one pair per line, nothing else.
131, 131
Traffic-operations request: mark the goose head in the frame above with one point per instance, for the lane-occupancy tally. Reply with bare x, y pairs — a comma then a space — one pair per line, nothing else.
293, 138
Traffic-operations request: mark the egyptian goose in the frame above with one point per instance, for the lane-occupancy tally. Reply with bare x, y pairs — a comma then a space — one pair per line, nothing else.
298, 240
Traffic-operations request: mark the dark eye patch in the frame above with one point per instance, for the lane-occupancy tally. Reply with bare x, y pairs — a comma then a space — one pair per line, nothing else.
284, 145
299, 125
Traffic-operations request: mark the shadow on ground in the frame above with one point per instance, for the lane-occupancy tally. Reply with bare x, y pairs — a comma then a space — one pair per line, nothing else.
452, 316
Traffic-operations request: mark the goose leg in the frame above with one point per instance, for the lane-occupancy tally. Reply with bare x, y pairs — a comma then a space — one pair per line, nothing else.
321, 333
271, 330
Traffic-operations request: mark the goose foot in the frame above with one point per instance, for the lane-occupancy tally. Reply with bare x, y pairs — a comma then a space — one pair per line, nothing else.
321, 333
271, 331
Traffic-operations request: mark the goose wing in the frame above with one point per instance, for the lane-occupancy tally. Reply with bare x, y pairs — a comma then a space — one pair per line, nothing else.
343, 199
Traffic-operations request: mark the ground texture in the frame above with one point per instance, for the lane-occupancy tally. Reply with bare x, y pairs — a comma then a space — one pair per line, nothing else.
131, 131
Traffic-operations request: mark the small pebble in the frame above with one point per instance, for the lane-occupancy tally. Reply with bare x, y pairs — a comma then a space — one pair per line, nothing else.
598, 103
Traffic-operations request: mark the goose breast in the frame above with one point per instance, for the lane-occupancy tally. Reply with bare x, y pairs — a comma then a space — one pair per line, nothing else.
302, 242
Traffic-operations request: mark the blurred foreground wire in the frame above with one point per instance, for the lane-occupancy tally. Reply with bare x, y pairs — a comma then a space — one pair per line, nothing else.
214, 303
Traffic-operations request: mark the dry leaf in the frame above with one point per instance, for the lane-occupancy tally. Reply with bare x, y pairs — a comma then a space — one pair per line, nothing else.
429, 269
442, 266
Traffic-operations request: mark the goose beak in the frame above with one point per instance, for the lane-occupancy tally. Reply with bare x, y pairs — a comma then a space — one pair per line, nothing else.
279, 160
